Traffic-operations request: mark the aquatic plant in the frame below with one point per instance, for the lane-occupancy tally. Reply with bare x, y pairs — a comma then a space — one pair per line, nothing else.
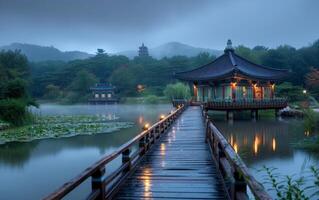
305, 187
63, 126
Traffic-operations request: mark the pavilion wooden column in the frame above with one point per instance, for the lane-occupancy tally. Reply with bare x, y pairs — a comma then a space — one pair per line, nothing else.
233, 87
195, 92
272, 91
254, 91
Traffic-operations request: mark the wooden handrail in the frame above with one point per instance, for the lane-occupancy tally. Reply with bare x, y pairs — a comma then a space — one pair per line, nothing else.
234, 171
97, 170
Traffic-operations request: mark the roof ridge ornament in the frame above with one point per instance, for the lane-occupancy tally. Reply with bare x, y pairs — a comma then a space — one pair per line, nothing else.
229, 46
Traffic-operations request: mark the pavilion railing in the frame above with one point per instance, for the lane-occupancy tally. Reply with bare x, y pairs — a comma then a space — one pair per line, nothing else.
105, 186
274, 103
234, 172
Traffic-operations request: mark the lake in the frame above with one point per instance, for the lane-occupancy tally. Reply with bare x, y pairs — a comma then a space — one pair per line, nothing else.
269, 142
31, 170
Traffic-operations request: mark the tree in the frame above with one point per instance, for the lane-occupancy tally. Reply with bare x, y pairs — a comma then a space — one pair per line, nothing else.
100, 52
125, 80
52, 92
14, 97
312, 81
203, 58
292, 92
177, 91
79, 88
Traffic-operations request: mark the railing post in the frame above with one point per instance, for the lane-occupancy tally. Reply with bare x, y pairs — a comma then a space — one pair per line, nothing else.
157, 132
147, 141
98, 183
162, 128
152, 136
208, 132
126, 159
240, 186
142, 145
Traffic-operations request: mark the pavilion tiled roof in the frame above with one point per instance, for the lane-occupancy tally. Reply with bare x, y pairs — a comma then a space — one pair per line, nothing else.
102, 86
230, 65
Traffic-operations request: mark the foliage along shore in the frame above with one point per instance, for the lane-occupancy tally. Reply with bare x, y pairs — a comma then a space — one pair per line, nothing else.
62, 126
311, 124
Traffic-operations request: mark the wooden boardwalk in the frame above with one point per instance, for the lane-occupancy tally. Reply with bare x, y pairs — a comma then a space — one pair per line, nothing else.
172, 161
179, 166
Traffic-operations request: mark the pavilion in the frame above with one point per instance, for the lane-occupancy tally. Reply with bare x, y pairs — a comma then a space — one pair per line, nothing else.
231, 82
103, 93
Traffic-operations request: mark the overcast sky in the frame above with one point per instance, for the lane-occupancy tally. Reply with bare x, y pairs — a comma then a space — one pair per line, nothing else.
124, 24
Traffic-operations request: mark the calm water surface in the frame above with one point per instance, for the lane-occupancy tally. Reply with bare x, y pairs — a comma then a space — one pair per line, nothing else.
34, 169
269, 142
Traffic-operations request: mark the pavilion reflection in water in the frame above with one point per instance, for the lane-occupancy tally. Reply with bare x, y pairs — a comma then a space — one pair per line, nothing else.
262, 139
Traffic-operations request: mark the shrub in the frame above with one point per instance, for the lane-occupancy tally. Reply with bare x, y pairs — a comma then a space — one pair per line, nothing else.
292, 92
310, 119
13, 111
151, 99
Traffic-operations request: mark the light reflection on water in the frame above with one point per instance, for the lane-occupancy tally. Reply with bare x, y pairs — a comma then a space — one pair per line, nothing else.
269, 143
37, 168
147, 173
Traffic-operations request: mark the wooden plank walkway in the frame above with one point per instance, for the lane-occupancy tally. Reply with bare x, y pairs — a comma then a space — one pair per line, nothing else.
179, 166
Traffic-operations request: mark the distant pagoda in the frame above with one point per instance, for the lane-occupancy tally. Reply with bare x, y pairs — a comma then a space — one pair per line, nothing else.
143, 51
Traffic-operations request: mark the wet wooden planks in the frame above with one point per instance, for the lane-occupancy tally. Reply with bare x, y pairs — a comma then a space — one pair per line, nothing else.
178, 167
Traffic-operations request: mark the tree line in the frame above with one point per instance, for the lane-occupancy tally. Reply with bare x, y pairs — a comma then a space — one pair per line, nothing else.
62, 79
21, 80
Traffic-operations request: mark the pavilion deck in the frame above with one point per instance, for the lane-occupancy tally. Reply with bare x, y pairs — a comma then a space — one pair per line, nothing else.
180, 166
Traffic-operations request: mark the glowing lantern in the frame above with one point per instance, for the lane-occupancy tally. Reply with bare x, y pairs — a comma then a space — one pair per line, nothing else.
146, 126
162, 117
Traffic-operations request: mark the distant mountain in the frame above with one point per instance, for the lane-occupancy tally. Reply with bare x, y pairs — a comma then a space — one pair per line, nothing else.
173, 49
41, 53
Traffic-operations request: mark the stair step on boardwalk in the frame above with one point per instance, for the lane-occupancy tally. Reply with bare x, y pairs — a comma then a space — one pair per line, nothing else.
179, 166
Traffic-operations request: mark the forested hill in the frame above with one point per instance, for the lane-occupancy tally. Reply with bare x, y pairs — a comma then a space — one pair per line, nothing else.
71, 80
173, 49
38, 53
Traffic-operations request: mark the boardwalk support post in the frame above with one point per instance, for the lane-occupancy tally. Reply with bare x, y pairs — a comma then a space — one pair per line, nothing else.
277, 113
98, 183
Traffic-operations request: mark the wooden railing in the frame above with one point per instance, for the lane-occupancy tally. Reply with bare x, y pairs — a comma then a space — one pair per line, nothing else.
234, 172
179, 102
104, 187
276, 103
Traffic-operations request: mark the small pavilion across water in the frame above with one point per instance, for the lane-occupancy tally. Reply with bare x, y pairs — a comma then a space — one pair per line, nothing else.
231, 82
103, 93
